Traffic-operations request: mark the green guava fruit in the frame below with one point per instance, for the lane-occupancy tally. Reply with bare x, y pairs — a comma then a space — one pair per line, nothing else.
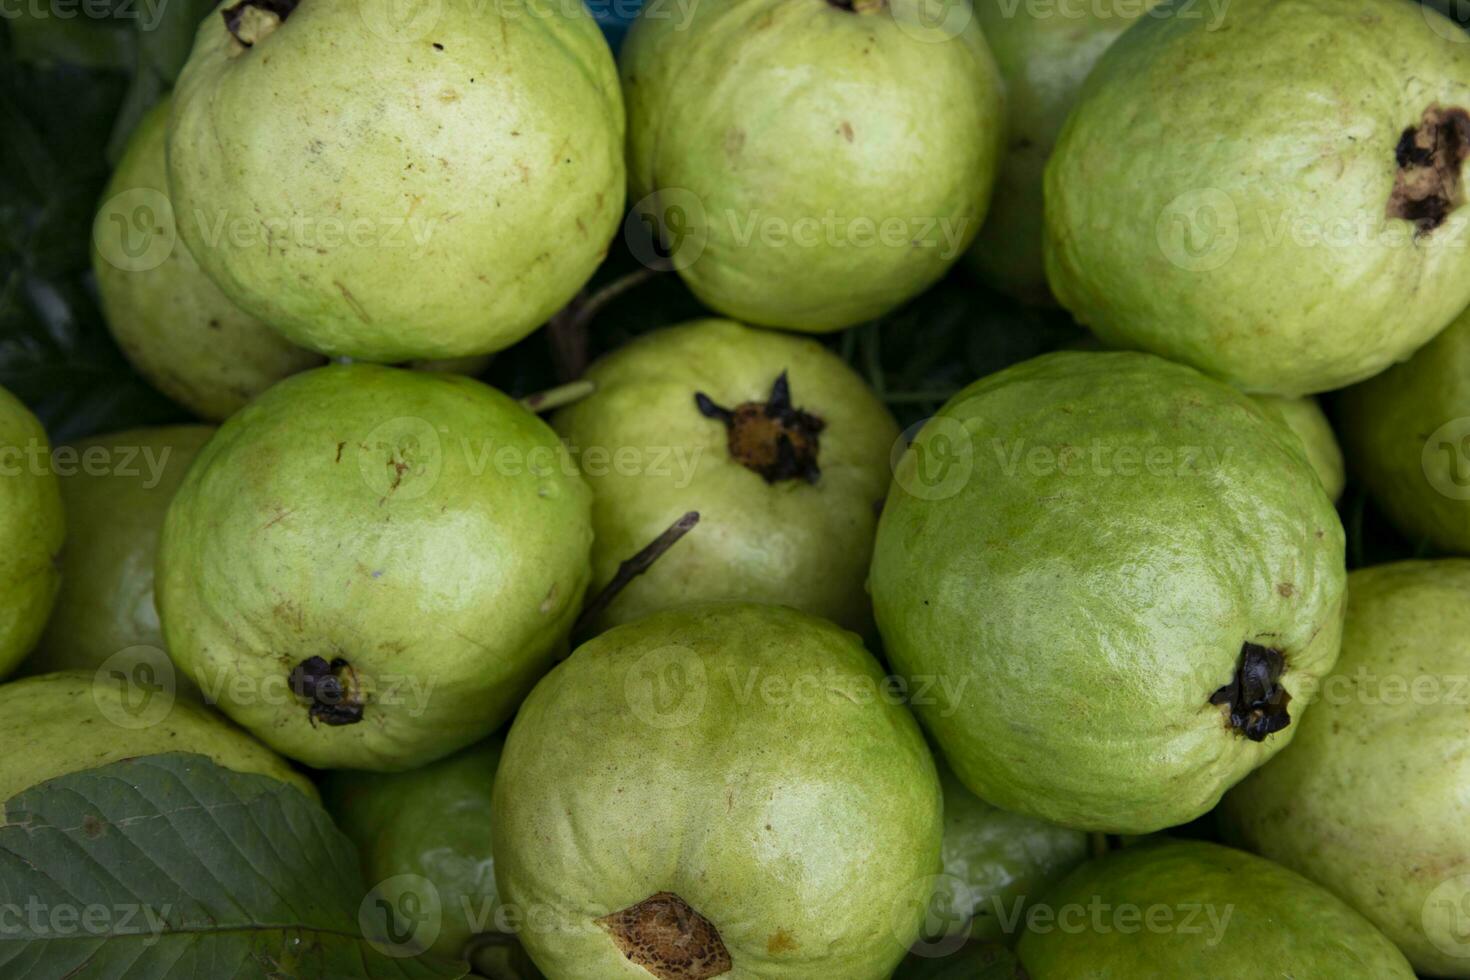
1306, 418
56, 724
427, 187
815, 163
1407, 437
32, 530
1369, 800
1174, 908
724, 789
1116, 582
369, 567
169, 318
115, 490
778, 444
1043, 58
1289, 232
996, 862
426, 834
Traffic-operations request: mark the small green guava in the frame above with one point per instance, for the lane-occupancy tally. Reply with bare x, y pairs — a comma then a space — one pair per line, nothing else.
170, 319
32, 530
996, 863
72, 720
1404, 432
1043, 58
426, 834
1117, 579
780, 447
718, 790
1288, 232
1305, 417
368, 567
1369, 800
389, 189
115, 492
815, 163
1175, 908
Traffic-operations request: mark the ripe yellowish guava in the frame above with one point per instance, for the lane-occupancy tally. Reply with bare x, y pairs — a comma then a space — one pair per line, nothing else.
32, 530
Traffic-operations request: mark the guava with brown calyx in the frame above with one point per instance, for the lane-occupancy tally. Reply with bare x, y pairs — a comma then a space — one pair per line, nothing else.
1368, 801
115, 490
444, 203
32, 531
1118, 580
719, 790
1182, 908
1288, 232
368, 567
1044, 54
779, 446
811, 164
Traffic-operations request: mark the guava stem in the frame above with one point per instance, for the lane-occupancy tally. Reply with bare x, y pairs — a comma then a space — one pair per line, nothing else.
558, 397
636, 566
568, 329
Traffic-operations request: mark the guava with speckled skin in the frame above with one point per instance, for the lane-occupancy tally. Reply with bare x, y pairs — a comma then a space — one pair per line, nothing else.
1174, 908
799, 536
114, 513
170, 319
1043, 60
445, 203
720, 790
996, 862
1369, 799
1287, 232
432, 823
369, 567
1404, 434
1119, 581
32, 529
1305, 417
72, 720
816, 163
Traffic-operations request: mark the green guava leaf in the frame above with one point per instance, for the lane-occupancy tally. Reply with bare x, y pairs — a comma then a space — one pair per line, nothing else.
171, 866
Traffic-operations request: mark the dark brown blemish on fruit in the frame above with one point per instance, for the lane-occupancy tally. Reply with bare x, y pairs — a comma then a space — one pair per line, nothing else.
1430, 157
240, 29
669, 939
772, 438
1257, 701
859, 6
330, 689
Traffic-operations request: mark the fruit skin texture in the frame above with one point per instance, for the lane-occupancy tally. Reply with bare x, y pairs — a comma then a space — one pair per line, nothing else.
880, 120
1403, 432
1369, 800
445, 203
804, 824
996, 861
172, 321
1306, 418
424, 528
1209, 202
1073, 607
791, 542
1043, 60
432, 822
1279, 923
114, 518
61, 723
32, 529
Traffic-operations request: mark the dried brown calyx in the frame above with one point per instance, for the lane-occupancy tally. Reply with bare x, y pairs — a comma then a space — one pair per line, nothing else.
1256, 699
773, 438
669, 939
330, 689
1430, 157
250, 21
